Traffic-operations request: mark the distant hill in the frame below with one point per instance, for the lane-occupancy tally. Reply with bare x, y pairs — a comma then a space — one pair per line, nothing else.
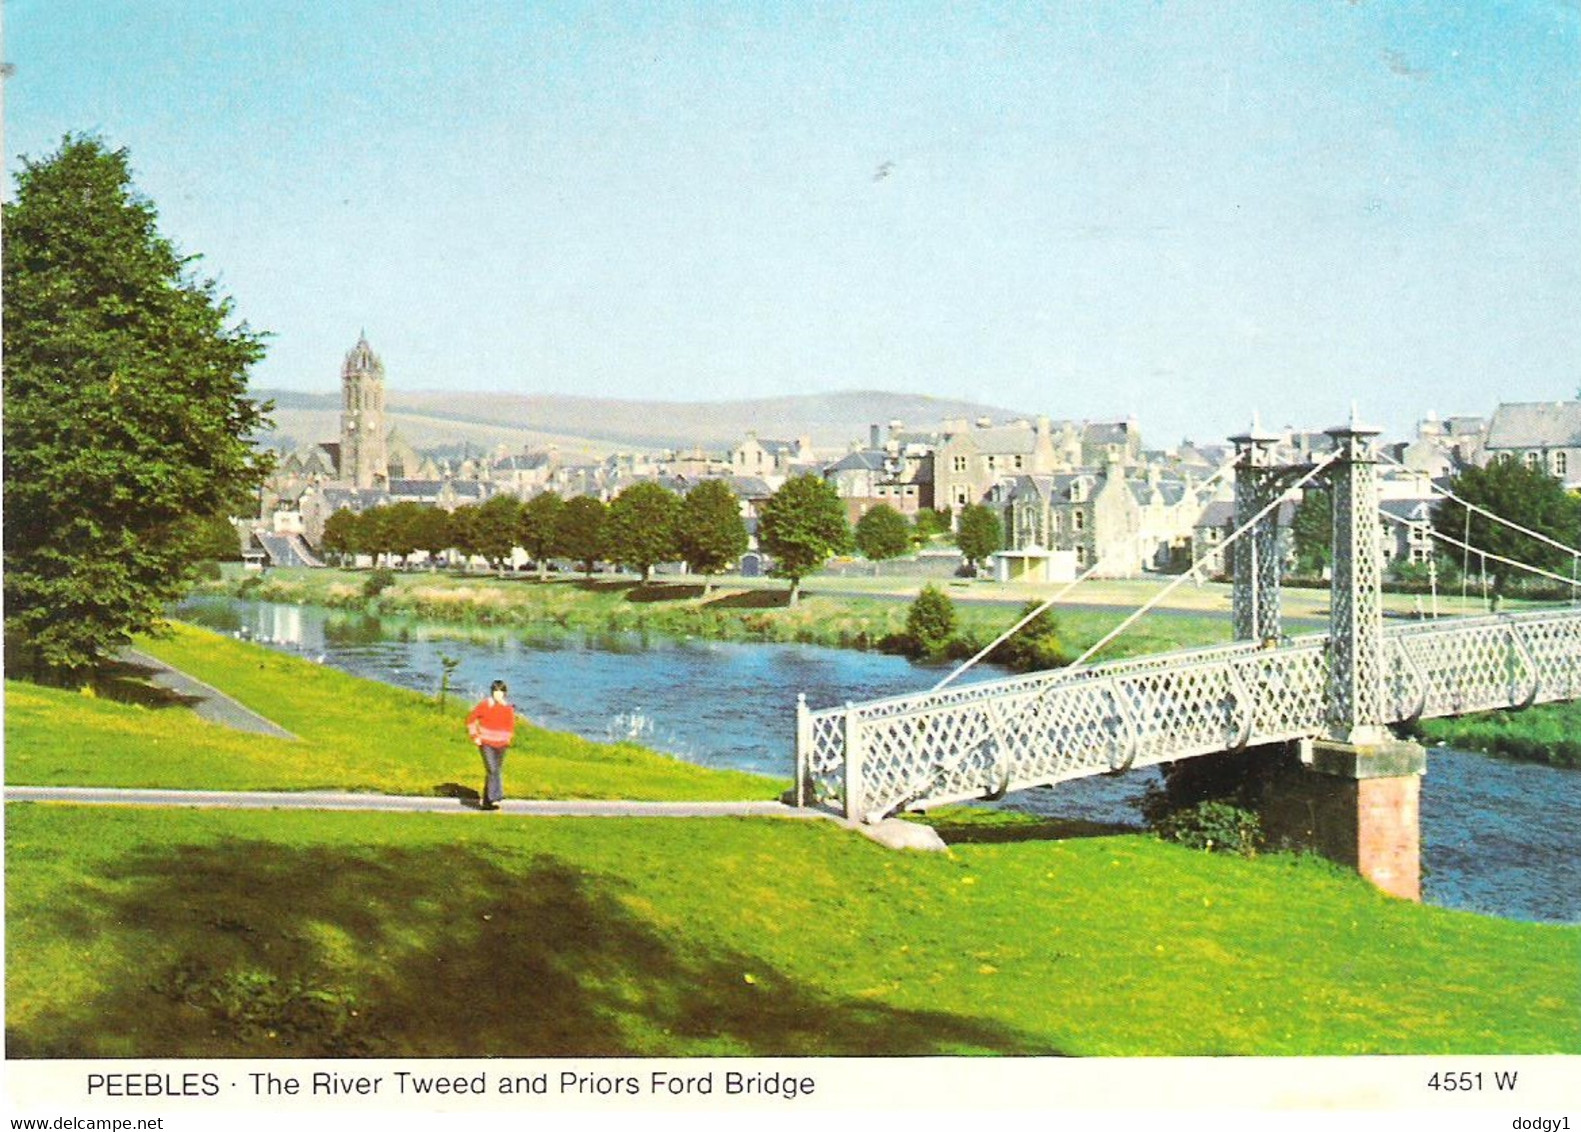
589, 426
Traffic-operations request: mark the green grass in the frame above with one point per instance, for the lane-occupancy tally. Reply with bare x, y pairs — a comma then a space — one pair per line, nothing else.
140, 932
732, 612
1548, 733
237, 934
353, 735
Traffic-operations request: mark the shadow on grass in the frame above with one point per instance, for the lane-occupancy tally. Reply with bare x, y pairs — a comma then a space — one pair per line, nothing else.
128, 682
597, 586
660, 591
260, 949
752, 599
1046, 829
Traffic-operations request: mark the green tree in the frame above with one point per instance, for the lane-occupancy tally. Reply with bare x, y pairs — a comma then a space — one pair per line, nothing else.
641, 529
538, 528
431, 532
1035, 646
215, 540
579, 532
466, 532
1522, 494
710, 531
930, 523
342, 535
881, 534
126, 414
930, 622
981, 533
801, 527
1312, 530
497, 520
402, 526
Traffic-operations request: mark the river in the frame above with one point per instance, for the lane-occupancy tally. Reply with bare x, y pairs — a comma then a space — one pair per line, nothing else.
1498, 837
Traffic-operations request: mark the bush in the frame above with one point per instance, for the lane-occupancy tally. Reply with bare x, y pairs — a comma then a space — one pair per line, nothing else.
1214, 826
377, 582
930, 624
1035, 646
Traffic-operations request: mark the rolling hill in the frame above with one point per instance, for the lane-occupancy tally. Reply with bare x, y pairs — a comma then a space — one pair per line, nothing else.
596, 426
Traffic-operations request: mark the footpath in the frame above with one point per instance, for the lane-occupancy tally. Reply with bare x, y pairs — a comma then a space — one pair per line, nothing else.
209, 703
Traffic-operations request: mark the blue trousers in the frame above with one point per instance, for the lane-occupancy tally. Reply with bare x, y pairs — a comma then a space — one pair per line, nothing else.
493, 764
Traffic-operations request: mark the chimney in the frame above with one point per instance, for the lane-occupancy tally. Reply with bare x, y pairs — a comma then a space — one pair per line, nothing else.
873, 439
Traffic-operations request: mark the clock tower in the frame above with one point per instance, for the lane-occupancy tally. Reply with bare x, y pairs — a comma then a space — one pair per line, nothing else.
363, 458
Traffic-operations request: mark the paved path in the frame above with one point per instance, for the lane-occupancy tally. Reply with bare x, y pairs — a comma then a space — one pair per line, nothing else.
333, 800
206, 701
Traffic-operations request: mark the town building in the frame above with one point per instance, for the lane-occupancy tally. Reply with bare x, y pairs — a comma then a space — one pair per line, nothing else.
1541, 434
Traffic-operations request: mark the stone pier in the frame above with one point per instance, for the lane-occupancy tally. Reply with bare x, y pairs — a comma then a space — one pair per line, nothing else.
1359, 806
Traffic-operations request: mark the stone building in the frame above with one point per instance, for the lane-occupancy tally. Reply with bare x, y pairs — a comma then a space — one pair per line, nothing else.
1543, 434
364, 452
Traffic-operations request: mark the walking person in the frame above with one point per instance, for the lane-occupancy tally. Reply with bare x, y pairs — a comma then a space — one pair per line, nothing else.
491, 725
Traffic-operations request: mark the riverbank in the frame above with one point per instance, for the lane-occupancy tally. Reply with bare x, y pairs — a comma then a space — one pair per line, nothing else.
1544, 733
868, 614
354, 735
288, 933
865, 615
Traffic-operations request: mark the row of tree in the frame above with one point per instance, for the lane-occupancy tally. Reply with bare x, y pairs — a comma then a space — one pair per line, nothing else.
802, 526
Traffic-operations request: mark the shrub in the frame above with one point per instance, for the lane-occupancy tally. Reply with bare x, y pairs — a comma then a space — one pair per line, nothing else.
1214, 826
377, 582
931, 622
1035, 646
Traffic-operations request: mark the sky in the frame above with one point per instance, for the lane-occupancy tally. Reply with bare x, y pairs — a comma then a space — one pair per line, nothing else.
1186, 213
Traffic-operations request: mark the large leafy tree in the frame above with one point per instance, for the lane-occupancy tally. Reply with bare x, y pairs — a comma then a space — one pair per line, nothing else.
126, 410
641, 529
579, 531
538, 527
881, 534
342, 535
1522, 494
981, 533
497, 519
709, 529
431, 532
802, 526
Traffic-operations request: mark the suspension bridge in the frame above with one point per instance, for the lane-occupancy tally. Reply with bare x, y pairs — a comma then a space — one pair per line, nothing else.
1333, 694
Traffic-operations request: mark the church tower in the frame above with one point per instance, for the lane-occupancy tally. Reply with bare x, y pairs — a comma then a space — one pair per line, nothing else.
363, 459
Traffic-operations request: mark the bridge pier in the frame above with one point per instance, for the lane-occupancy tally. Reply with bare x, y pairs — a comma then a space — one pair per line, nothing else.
1359, 806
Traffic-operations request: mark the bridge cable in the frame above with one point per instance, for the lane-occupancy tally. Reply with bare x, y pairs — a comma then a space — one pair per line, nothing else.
1470, 507
1278, 501
1037, 612
1485, 555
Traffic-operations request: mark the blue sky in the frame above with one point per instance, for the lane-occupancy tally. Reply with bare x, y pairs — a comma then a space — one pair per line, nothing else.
1182, 212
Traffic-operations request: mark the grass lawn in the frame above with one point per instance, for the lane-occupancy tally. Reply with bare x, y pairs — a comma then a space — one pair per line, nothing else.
236, 934
734, 611
353, 735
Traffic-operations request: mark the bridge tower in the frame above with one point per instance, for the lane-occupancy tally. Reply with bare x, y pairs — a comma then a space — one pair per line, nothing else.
1357, 799
1355, 690
1255, 563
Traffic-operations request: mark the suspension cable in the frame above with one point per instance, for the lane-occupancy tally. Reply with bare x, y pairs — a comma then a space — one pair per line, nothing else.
1277, 501
1485, 555
1447, 494
1030, 617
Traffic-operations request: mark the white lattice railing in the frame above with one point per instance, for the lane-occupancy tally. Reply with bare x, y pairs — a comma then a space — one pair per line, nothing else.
980, 740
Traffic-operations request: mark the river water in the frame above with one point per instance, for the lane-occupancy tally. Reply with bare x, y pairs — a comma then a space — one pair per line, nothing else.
1498, 837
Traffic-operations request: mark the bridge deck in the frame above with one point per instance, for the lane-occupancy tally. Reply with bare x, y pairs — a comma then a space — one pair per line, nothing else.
982, 739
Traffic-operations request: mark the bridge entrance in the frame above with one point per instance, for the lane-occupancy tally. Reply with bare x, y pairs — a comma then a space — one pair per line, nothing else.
1332, 695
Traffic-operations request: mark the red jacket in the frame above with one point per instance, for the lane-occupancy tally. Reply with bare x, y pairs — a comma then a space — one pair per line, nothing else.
492, 724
